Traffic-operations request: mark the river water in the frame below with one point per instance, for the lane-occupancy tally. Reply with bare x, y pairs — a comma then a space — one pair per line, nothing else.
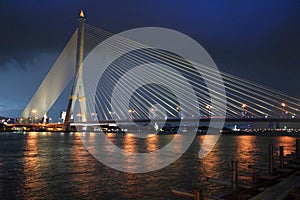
57, 166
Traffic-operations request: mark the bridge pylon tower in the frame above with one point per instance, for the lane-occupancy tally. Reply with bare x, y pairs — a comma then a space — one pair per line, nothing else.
77, 91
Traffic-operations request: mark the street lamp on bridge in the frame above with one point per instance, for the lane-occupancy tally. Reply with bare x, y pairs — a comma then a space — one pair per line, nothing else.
283, 111
244, 112
79, 115
131, 111
34, 111
94, 116
113, 114
208, 107
153, 113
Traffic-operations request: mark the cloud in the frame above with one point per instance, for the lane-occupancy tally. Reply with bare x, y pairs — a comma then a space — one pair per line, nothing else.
11, 61
10, 111
2, 107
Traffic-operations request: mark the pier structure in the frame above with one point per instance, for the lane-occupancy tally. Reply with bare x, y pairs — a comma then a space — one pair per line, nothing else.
276, 178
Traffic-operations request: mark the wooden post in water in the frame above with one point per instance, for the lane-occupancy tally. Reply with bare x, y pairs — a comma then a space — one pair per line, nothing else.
298, 148
270, 158
197, 194
234, 174
255, 176
281, 156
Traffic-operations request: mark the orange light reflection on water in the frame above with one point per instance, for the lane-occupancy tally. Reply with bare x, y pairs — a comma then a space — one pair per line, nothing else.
129, 146
31, 164
82, 166
110, 135
247, 150
130, 143
286, 142
151, 142
208, 163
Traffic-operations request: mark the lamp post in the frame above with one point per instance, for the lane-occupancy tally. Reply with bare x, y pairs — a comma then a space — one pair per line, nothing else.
34, 111
112, 114
208, 107
153, 112
283, 111
178, 111
79, 115
131, 111
244, 112
94, 116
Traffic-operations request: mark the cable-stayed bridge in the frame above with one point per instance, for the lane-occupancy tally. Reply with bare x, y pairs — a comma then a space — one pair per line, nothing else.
243, 100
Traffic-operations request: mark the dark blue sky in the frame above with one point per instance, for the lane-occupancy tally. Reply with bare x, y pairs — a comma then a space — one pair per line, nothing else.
257, 40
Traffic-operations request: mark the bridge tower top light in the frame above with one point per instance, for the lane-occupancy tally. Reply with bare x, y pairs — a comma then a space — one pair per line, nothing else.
81, 14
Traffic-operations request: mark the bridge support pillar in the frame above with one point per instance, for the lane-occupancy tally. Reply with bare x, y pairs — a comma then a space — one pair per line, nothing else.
78, 88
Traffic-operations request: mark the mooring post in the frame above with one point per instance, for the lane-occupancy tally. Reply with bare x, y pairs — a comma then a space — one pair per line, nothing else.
197, 194
281, 156
270, 158
255, 176
298, 148
234, 174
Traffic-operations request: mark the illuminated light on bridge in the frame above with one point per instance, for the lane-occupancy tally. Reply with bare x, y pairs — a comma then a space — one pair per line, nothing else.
81, 14
244, 111
260, 101
208, 107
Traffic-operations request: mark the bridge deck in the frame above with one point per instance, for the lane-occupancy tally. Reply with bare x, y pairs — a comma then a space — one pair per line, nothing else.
203, 120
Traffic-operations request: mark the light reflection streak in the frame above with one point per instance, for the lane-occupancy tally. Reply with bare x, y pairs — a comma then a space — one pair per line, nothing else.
210, 163
286, 142
130, 143
33, 179
82, 166
151, 142
129, 146
247, 150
